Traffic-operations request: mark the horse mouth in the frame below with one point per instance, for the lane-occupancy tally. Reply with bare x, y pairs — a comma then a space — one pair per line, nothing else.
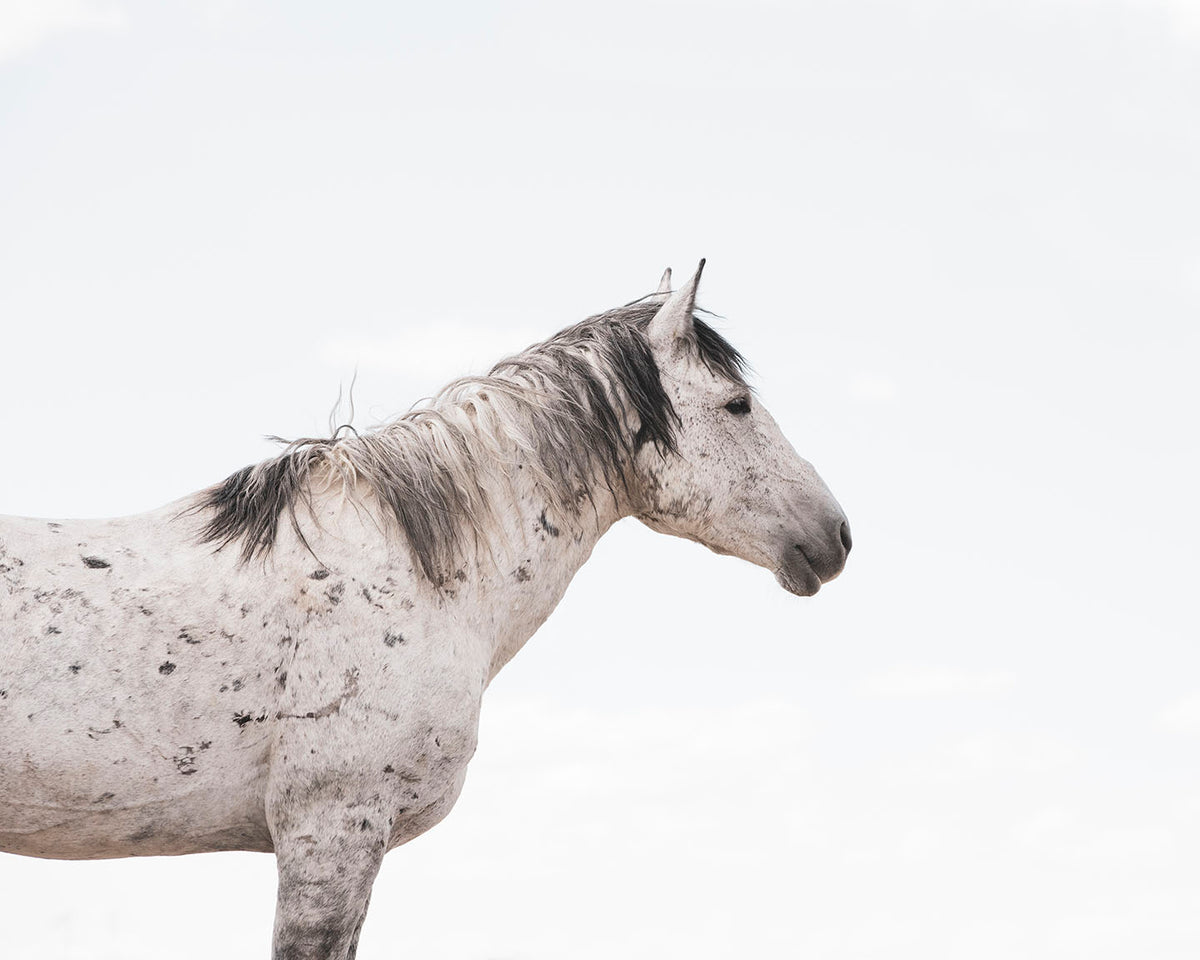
803, 575
796, 574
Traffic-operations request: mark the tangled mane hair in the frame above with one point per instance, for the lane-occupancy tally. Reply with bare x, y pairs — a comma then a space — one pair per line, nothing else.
567, 407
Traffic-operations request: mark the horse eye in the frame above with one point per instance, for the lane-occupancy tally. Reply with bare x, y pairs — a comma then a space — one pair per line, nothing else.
739, 407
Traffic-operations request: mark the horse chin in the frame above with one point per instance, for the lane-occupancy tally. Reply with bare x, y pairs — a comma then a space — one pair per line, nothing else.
796, 576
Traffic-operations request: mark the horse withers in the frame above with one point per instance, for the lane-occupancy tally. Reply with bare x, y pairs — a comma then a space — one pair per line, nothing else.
293, 659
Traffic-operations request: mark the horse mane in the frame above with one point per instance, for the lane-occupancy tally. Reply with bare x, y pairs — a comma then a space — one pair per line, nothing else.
565, 404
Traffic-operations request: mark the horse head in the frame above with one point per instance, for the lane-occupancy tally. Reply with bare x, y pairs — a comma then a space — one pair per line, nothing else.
732, 481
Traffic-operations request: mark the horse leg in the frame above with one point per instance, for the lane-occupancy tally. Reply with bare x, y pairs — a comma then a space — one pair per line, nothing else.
328, 856
353, 951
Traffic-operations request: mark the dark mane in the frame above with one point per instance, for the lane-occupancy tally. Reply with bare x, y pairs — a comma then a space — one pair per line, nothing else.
568, 402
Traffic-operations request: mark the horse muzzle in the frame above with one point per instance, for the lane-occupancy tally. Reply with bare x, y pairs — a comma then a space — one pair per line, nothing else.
808, 562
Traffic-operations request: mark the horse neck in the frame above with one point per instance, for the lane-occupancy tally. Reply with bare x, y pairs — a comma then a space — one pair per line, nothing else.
528, 570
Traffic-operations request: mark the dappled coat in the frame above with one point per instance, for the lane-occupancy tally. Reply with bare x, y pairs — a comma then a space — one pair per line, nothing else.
293, 659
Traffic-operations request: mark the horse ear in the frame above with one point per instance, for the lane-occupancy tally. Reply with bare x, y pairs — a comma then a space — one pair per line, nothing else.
674, 318
664, 289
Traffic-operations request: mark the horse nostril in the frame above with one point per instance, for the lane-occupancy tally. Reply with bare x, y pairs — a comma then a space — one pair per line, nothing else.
844, 531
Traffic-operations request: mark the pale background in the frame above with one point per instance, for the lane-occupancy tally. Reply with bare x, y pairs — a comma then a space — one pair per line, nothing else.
960, 243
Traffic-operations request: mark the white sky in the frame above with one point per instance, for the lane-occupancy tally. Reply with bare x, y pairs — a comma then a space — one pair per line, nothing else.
958, 241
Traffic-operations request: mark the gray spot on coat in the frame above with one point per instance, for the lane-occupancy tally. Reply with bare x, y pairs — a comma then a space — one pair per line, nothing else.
546, 526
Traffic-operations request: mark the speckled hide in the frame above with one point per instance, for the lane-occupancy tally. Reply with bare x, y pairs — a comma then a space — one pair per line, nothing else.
317, 695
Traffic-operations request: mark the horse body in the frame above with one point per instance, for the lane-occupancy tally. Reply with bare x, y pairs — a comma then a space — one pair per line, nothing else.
318, 695
152, 686
119, 649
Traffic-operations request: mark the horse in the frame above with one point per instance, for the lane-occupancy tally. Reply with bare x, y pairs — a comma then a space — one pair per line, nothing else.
292, 660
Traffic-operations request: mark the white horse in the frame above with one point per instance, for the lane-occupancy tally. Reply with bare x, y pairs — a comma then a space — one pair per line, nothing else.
314, 690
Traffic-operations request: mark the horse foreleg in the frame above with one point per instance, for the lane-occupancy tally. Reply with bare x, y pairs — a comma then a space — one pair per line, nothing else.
327, 862
353, 951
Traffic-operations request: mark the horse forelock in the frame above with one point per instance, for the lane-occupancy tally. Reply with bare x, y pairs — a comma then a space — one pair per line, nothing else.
575, 408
